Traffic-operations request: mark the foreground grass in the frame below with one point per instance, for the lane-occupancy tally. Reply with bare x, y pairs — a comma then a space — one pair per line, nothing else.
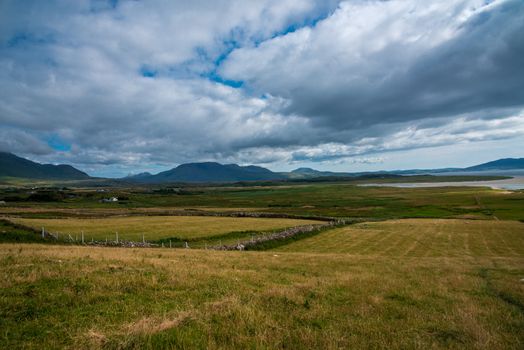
419, 238
158, 227
81, 297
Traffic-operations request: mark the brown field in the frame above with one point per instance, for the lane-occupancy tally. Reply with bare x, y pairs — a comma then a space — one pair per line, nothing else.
114, 298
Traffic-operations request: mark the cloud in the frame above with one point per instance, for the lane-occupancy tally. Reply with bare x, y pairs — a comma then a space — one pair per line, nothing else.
151, 84
22, 141
408, 136
376, 62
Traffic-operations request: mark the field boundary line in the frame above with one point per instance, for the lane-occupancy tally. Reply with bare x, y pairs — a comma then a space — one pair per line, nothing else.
288, 235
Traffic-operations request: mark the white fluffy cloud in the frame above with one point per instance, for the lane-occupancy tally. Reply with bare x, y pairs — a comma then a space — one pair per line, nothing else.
137, 84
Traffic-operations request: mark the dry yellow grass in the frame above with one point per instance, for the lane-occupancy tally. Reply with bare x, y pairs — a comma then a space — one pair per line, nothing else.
84, 297
158, 227
419, 237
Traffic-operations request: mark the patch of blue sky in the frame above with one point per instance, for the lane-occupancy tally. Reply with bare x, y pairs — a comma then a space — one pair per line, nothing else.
309, 22
102, 5
227, 46
148, 72
58, 144
24, 38
212, 74
231, 83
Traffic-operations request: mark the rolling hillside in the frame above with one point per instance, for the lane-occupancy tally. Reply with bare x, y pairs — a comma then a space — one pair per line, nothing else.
14, 166
500, 164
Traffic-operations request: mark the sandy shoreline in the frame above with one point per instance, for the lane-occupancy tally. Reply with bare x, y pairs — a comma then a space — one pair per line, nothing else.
514, 183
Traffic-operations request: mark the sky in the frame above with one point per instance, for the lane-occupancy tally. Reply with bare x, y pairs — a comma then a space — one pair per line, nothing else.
119, 87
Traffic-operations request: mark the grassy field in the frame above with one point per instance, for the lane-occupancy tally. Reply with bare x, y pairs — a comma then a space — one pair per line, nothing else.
340, 199
11, 234
420, 238
429, 277
154, 228
9, 182
86, 297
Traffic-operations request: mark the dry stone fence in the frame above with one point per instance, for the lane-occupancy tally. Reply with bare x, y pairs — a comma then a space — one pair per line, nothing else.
282, 235
324, 223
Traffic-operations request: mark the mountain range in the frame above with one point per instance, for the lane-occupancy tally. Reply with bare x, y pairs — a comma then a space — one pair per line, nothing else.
501, 164
14, 166
210, 172
216, 172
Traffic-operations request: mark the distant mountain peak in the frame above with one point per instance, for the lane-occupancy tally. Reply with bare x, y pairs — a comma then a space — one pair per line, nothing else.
138, 176
212, 172
305, 170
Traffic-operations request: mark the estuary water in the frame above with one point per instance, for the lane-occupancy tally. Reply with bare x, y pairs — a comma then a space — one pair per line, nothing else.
515, 183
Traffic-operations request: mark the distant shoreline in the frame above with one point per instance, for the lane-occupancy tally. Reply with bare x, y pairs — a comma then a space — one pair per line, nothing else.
515, 183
